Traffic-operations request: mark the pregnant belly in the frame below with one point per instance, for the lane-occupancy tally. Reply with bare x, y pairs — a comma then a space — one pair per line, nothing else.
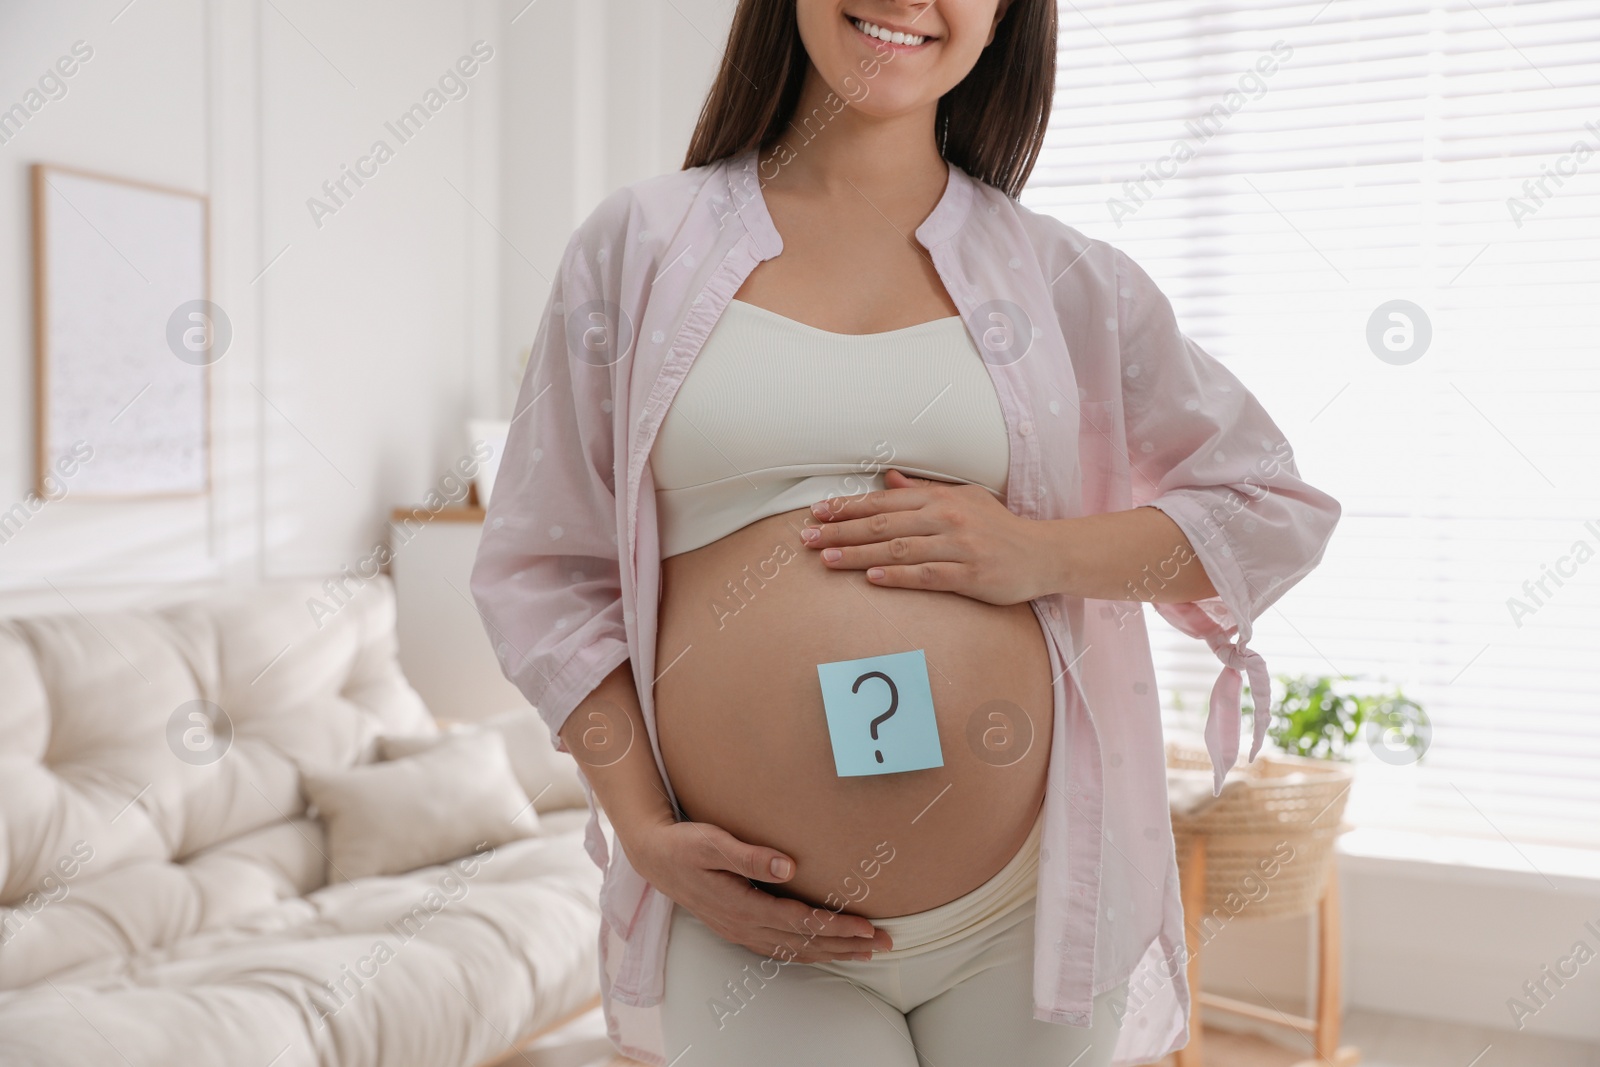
745, 620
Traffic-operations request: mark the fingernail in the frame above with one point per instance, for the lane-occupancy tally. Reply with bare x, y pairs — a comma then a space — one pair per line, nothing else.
831, 554
810, 533
820, 508
872, 572
781, 868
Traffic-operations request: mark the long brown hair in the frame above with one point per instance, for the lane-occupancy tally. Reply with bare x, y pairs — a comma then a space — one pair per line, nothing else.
991, 125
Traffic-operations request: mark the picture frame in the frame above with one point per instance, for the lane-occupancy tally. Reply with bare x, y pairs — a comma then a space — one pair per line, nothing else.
125, 337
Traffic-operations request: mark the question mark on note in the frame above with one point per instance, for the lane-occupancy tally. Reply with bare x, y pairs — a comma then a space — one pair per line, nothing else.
894, 702
847, 699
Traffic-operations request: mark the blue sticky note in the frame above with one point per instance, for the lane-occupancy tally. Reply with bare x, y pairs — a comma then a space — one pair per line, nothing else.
880, 714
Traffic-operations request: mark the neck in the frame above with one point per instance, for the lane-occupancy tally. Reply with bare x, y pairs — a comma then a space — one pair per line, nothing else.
835, 151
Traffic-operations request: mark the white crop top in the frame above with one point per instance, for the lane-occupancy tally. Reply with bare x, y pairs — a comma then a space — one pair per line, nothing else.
775, 415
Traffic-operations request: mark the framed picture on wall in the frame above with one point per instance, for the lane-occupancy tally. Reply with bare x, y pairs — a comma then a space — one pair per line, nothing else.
125, 336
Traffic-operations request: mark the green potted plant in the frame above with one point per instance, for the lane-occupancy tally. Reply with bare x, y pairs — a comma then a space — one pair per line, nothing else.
1324, 716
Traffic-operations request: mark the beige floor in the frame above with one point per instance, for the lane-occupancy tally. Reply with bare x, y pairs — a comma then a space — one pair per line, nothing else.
1394, 1041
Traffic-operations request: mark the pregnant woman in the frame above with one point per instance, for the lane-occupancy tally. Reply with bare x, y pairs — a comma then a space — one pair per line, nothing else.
832, 490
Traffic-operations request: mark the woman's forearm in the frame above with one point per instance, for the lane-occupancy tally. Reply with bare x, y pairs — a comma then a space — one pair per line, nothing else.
606, 734
1139, 554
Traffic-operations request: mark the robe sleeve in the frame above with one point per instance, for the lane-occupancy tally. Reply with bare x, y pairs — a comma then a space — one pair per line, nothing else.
547, 577
1204, 451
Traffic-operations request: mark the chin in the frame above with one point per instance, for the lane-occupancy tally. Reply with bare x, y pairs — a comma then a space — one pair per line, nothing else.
889, 103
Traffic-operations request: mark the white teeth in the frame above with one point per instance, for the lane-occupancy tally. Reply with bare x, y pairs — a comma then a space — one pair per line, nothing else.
891, 36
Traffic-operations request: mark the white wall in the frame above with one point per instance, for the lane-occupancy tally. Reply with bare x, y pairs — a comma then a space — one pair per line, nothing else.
358, 348
1431, 939
362, 345
138, 106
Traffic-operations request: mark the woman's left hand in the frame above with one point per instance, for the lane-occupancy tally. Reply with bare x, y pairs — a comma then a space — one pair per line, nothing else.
922, 534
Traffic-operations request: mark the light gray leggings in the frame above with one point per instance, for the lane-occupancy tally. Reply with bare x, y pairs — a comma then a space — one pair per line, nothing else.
969, 1004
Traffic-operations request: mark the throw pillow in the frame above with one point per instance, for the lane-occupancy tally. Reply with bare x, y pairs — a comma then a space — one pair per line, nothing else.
549, 777
394, 816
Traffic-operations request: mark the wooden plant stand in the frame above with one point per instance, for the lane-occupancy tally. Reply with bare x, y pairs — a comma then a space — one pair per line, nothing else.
1322, 1031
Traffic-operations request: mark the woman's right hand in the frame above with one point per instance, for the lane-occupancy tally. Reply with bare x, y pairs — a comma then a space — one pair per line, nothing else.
707, 870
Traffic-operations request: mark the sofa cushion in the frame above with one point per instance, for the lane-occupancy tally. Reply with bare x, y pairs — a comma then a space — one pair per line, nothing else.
456, 797
163, 889
158, 751
444, 966
548, 776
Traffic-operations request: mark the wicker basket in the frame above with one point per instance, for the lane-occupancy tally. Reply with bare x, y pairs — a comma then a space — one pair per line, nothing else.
1269, 836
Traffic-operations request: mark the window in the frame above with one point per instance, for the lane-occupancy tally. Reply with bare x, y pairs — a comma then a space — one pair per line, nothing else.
1385, 218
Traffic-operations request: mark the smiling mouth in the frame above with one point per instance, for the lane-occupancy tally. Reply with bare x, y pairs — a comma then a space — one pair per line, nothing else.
880, 35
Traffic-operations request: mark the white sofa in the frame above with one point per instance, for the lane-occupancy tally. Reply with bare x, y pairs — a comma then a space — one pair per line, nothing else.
160, 905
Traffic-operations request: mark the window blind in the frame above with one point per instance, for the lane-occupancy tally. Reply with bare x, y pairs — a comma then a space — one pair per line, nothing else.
1384, 217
